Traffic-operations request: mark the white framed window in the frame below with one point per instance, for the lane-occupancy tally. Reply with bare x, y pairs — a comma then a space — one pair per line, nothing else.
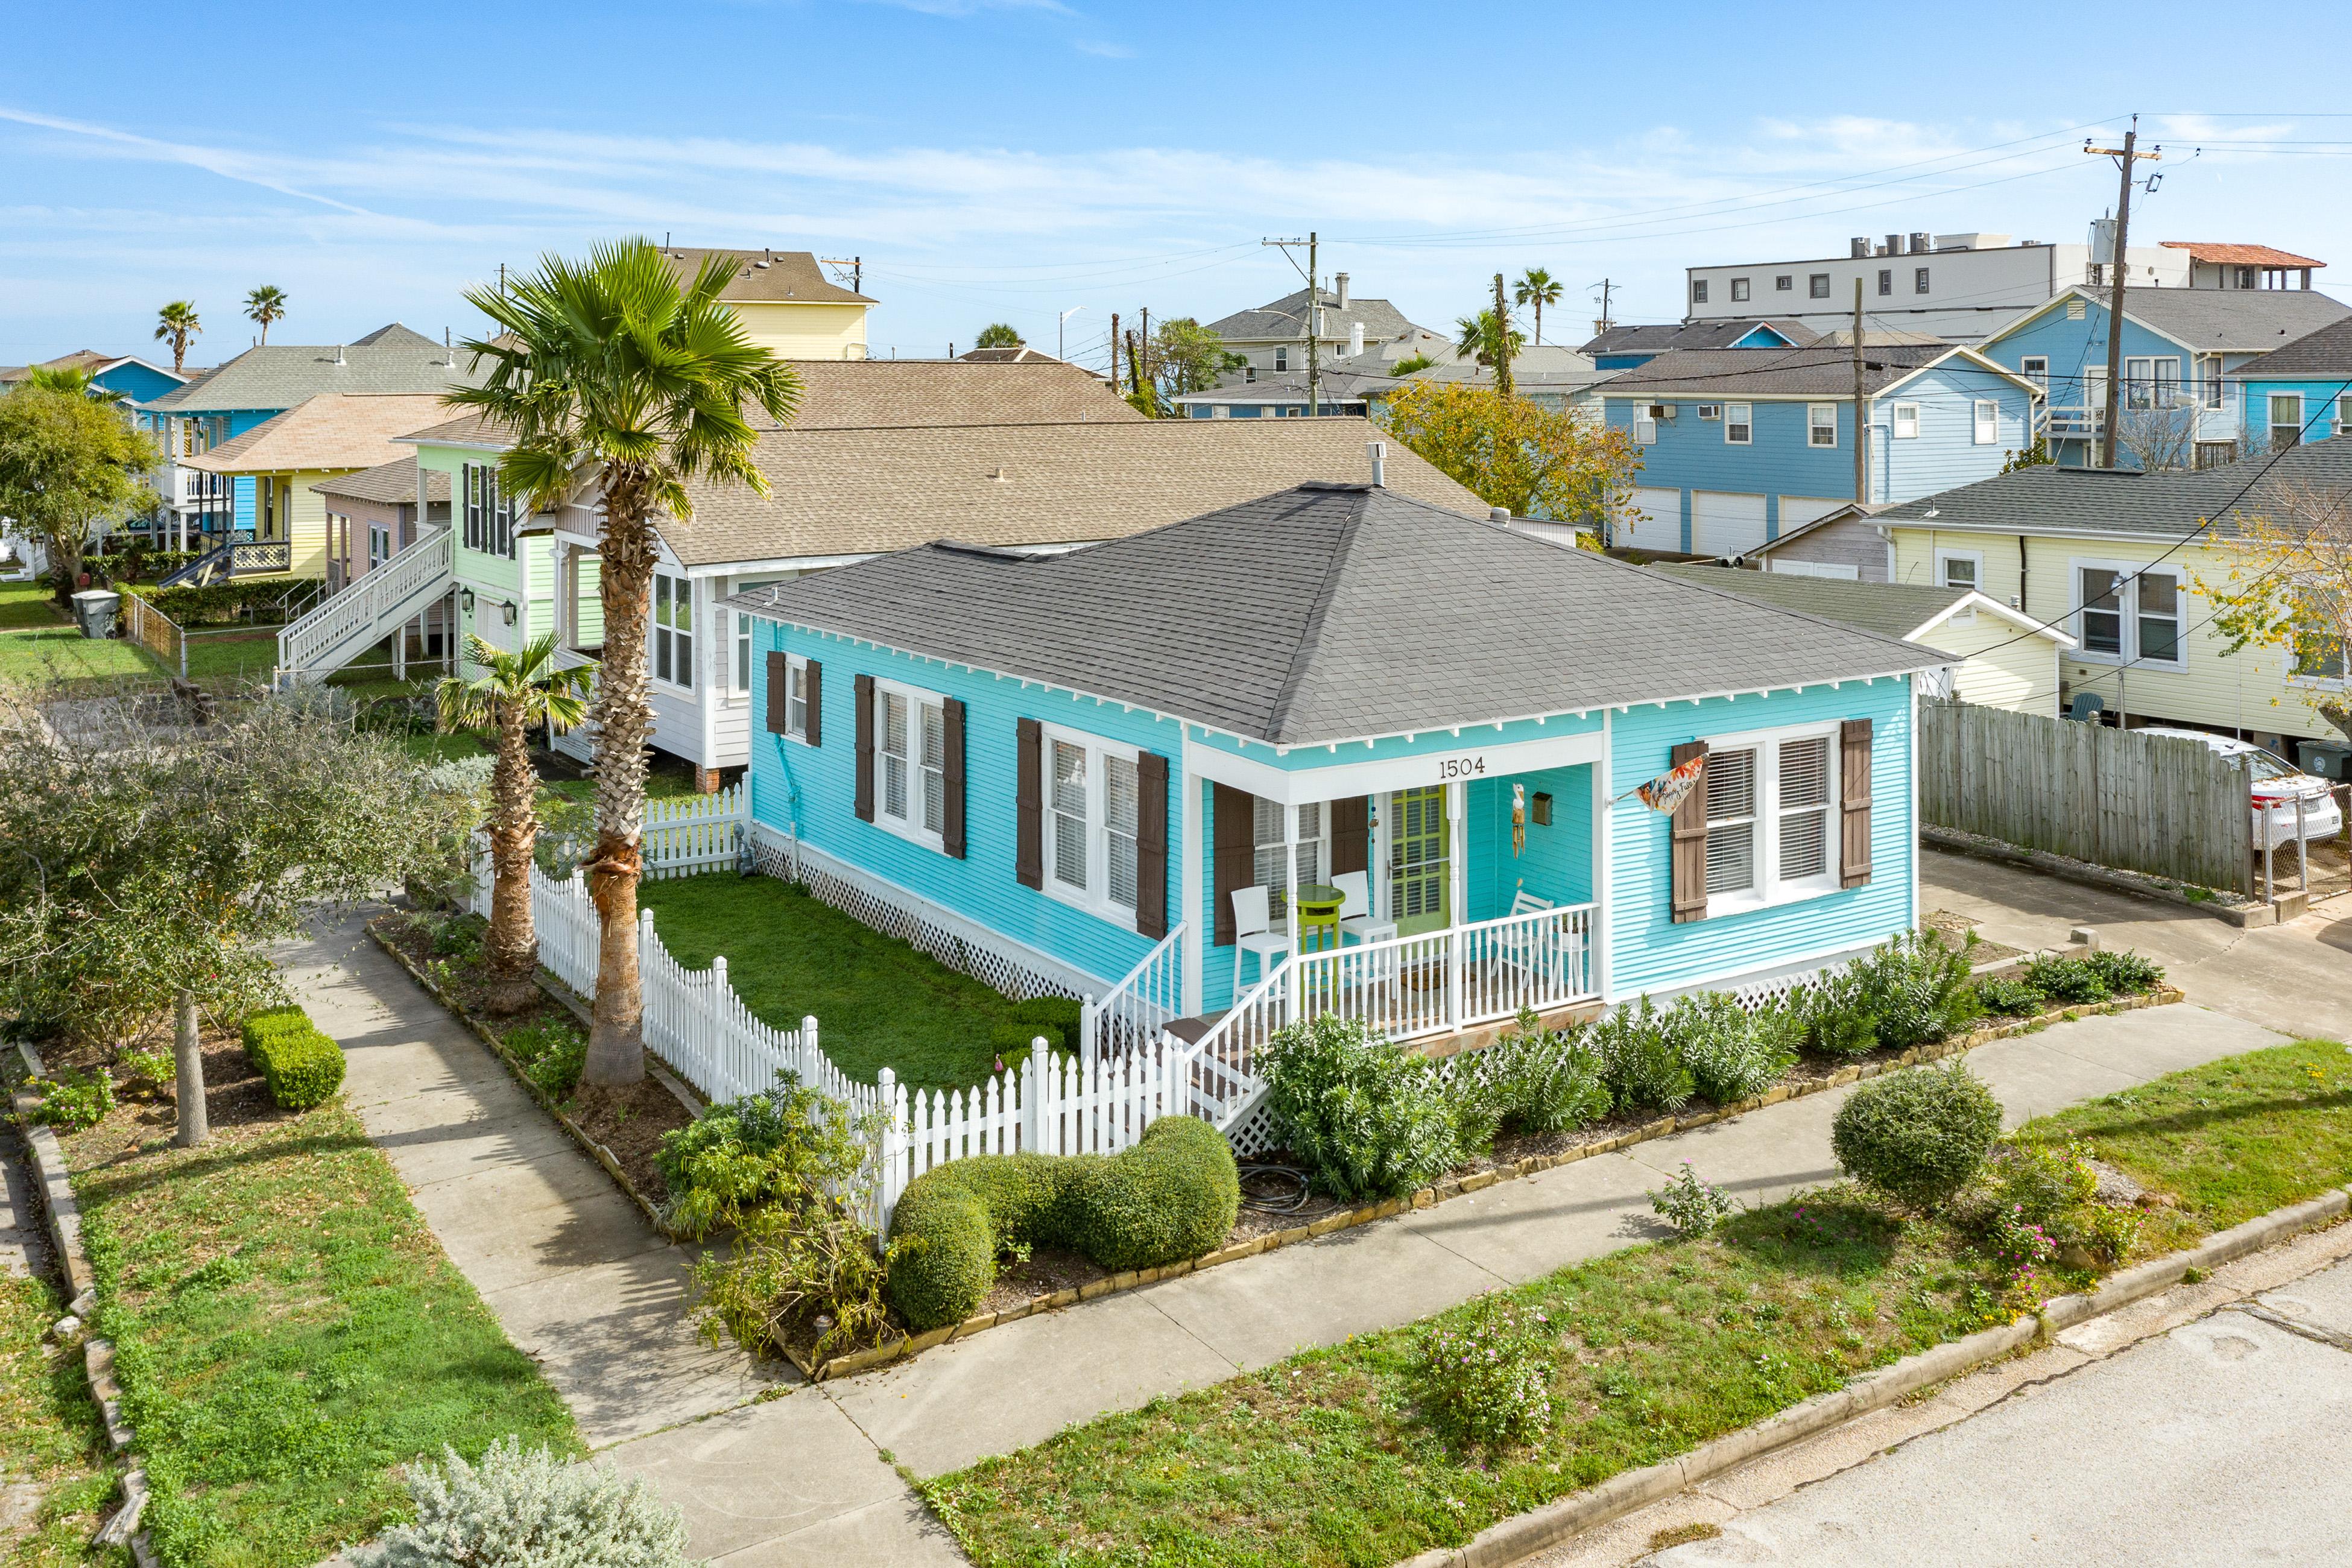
2035, 368
2287, 420
1771, 817
673, 630
379, 545
1918, 280
911, 753
1282, 359
1093, 809
1783, 283
1886, 281
1906, 421
2129, 613
1821, 425
1739, 424
1738, 290
796, 698
489, 513
739, 639
1270, 856
2343, 415
1646, 430
1698, 290
2318, 656
1988, 422
2209, 385
2152, 382
1817, 285
1961, 569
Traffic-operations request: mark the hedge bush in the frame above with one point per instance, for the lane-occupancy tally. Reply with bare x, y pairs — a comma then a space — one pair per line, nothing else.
301, 1065
215, 604
1370, 1119
1730, 1052
1920, 1136
1909, 991
1537, 1080
1172, 1195
517, 1508
1639, 1062
2069, 980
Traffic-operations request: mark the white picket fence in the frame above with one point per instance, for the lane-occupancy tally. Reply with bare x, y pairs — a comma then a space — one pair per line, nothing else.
688, 834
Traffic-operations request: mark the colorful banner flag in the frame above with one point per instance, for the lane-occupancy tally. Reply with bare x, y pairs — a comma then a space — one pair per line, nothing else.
1667, 791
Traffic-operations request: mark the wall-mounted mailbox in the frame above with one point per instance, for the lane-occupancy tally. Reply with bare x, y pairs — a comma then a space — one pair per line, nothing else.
1542, 812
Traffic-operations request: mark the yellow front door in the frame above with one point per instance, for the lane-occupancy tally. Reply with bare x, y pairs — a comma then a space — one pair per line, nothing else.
1419, 871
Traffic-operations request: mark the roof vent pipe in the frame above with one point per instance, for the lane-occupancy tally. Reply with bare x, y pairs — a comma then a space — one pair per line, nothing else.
1499, 514
339, 354
1378, 451
1341, 280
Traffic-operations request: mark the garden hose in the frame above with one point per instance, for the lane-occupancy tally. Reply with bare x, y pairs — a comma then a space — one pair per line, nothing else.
1272, 1189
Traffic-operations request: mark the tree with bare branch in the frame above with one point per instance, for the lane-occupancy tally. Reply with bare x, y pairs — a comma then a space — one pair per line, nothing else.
2286, 583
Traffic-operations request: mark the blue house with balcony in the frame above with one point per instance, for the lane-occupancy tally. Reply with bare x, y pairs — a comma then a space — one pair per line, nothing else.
1331, 749
1623, 347
2300, 393
1741, 446
2182, 352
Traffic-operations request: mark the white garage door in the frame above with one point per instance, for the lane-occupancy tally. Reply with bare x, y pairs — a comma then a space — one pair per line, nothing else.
1653, 521
1798, 510
1726, 524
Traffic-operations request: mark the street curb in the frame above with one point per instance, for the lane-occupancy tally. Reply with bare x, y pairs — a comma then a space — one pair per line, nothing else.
1515, 1538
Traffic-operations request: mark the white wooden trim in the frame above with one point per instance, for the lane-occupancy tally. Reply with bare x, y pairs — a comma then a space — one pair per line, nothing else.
1094, 897
909, 828
1342, 781
1770, 891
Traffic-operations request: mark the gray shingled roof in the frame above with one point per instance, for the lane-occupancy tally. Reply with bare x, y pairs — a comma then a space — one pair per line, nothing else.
1658, 337
1890, 609
1287, 318
281, 376
2327, 351
1330, 612
2125, 500
767, 276
1807, 372
2230, 319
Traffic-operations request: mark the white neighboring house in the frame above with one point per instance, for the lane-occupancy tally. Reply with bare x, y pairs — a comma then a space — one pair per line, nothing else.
2000, 658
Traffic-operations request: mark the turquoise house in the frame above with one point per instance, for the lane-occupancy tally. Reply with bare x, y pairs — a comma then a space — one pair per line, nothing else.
2300, 393
1150, 771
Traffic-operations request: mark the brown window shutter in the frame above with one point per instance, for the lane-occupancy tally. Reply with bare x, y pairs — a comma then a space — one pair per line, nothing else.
1352, 835
1690, 843
1854, 803
1235, 862
1029, 804
813, 676
779, 679
864, 688
1152, 844
951, 777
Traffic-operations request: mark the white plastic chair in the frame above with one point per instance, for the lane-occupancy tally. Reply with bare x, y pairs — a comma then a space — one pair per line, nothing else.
1356, 909
1254, 932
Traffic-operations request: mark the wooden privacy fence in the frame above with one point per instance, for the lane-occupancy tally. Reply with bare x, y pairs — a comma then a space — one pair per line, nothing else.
2152, 804
156, 632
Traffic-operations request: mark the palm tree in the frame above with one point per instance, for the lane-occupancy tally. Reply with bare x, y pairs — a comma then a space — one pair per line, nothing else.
265, 305
1476, 337
73, 378
999, 335
1537, 288
514, 691
614, 375
177, 321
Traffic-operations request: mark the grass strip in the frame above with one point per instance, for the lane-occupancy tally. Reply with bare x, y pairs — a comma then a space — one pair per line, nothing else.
286, 1331
1325, 1460
58, 1480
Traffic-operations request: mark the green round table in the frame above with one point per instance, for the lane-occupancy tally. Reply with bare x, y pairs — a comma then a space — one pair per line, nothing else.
1318, 904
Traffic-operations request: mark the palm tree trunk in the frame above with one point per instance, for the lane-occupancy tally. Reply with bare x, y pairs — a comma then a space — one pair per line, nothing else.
512, 949
623, 717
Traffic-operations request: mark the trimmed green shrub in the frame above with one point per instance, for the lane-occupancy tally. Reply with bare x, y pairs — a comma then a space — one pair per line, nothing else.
1920, 1136
1912, 991
1058, 1015
551, 1054
1368, 1118
300, 1064
1537, 1080
1639, 1062
1730, 1052
2126, 973
789, 1145
2073, 981
1173, 1195
2009, 998
529, 1509
72, 1100
1012, 1040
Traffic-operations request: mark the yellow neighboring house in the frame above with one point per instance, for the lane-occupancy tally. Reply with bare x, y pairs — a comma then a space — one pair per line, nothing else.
320, 438
786, 302
2114, 558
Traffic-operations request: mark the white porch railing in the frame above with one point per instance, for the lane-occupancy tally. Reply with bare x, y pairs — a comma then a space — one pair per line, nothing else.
379, 603
1136, 1010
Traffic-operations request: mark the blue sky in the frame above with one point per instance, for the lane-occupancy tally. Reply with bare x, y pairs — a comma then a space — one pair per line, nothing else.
1011, 160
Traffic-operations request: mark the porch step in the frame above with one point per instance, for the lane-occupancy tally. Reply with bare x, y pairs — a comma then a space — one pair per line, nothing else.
1190, 1030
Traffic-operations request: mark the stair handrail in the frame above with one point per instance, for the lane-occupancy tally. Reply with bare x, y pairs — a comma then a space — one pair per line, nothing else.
199, 570
377, 593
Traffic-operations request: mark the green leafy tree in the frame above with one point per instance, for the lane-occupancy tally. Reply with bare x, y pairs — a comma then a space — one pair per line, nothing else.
70, 468
1186, 357
265, 305
999, 335
175, 323
1537, 288
1513, 452
2280, 580
615, 374
1487, 338
74, 379
513, 692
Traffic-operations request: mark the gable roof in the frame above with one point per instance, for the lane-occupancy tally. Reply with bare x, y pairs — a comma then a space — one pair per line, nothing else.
1906, 610
331, 430
93, 362
2327, 351
2213, 320
1285, 619
2229, 255
393, 483
1017, 353
279, 375
2129, 502
863, 491
1287, 319
1658, 337
766, 277
1813, 372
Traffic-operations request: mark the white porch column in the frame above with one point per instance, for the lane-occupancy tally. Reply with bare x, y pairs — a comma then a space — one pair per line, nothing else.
1290, 886
1457, 876
1201, 926
1602, 839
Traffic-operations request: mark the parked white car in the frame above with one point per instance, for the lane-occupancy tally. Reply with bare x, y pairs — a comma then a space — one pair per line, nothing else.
2277, 785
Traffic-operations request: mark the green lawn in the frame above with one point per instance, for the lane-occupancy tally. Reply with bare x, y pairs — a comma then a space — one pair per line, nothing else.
443, 747
288, 1331
62, 654
27, 605
232, 658
878, 1002
1324, 1459
49, 1437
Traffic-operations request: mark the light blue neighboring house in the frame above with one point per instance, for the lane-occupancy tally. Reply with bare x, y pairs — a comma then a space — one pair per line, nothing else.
1087, 771
1625, 347
2300, 393
2182, 348
124, 376
1741, 446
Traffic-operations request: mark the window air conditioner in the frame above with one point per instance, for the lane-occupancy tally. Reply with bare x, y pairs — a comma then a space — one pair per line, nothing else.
1710, 410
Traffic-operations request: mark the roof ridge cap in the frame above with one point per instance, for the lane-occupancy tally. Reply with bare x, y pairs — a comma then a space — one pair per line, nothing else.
1311, 637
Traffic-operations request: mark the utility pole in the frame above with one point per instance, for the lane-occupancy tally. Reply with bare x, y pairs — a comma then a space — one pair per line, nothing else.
1861, 418
1314, 320
2126, 156
1502, 344
1134, 365
1603, 324
1114, 350
1140, 360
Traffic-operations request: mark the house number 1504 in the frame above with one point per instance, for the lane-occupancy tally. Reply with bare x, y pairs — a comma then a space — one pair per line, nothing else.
1461, 767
